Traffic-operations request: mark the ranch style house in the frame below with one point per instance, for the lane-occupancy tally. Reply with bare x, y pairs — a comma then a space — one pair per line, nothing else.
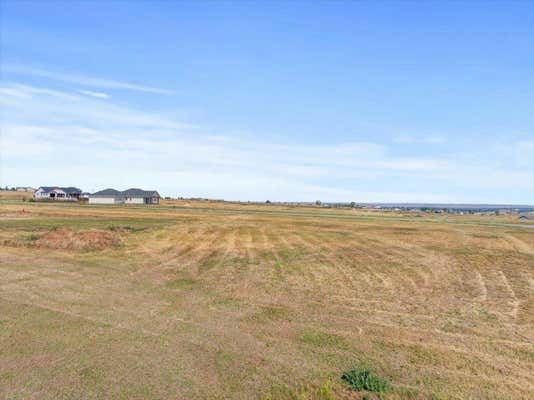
130, 196
57, 193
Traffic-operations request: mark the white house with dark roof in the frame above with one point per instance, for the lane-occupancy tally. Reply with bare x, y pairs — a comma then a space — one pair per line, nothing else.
130, 196
57, 193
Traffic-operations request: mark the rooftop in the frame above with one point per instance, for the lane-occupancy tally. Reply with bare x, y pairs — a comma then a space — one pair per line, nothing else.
69, 189
133, 192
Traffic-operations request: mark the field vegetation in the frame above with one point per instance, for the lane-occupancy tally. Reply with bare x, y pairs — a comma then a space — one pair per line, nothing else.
203, 300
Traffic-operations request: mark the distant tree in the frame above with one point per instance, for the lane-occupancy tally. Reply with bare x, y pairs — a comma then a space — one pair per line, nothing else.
268, 202
318, 202
352, 204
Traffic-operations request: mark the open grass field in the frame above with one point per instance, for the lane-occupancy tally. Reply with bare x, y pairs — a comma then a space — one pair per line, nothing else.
208, 301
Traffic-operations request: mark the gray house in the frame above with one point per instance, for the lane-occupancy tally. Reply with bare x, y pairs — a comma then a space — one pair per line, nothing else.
130, 196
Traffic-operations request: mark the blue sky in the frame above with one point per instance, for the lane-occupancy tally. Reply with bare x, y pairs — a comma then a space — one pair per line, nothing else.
338, 101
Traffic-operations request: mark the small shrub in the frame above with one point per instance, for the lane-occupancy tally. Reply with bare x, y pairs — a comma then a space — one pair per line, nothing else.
364, 379
33, 237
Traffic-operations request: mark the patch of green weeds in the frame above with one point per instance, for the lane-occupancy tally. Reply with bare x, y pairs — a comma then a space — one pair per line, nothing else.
182, 283
33, 237
326, 391
269, 313
91, 374
364, 379
230, 303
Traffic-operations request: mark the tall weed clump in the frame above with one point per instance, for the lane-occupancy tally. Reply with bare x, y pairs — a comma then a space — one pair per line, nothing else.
364, 379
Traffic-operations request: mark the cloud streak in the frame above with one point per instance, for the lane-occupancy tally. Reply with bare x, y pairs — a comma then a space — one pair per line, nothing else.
81, 79
98, 95
419, 139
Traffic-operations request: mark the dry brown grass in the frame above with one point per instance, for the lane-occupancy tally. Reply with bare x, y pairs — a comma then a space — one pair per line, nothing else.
213, 305
14, 195
83, 240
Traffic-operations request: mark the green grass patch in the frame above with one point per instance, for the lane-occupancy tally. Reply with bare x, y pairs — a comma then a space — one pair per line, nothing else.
91, 375
182, 283
269, 314
323, 339
326, 391
77, 223
230, 303
364, 379
126, 228
33, 237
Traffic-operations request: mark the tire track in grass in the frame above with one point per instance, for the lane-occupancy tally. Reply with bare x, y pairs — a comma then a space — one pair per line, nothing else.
483, 297
192, 253
226, 243
514, 302
520, 245
158, 258
336, 259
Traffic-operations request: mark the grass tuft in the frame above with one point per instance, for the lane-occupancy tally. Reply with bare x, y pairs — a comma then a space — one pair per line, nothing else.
364, 379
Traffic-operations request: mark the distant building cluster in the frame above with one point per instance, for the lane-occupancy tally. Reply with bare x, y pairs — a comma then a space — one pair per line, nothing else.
141, 196
106, 196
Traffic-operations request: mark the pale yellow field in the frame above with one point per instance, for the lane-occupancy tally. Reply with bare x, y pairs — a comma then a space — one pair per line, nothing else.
218, 301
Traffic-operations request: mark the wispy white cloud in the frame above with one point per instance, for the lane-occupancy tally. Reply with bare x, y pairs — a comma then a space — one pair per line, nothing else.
81, 79
49, 106
419, 139
13, 91
98, 95
104, 144
26, 91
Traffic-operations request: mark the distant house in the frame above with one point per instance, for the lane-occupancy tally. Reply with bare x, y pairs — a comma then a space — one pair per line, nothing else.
141, 196
25, 189
57, 193
130, 196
